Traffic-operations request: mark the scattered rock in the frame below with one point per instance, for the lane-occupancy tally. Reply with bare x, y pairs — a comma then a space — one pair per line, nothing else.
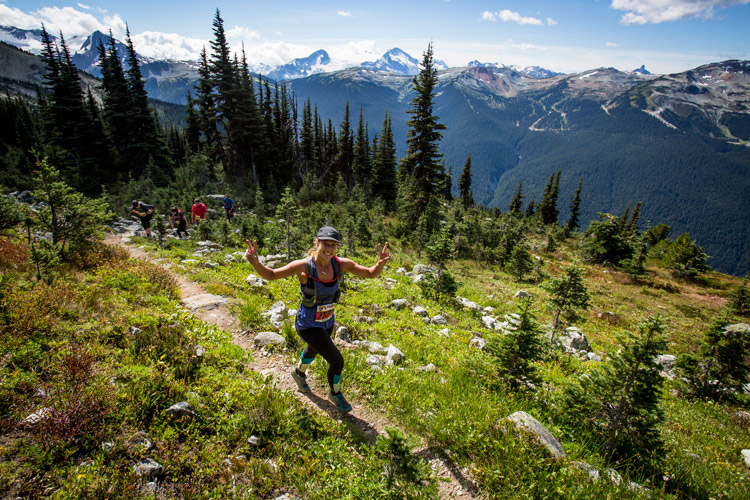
375, 347
666, 363
746, 457
36, 417
264, 339
438, 320
573, 340
489, 322
445, 332
148, 468
374, 361
472, 306
364, 319
523, 294
342, 333
488, 310
394, 356
523, 421
204, 302
742, 418
287, 496
592, 471
181, 410
422, 269
592, 356
478, 342
253, 441
420, 311
255, 281
427, 368
108, 445
138, 443
399, 304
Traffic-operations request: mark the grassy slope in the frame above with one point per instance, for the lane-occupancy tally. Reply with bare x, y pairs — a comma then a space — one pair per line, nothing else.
459, 408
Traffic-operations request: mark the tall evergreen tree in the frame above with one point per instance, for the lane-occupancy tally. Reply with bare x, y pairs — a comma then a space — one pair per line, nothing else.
419, 169
575, 209
383, 184
517, 202
345, 156
361, 164
464, 185
548, 207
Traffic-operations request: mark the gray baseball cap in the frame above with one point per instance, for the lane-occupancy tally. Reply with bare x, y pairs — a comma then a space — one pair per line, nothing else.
329, 233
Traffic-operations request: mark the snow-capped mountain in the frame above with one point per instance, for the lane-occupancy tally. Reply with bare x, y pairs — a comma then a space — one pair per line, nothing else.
317, 62
642, 70
395, 61
530, 71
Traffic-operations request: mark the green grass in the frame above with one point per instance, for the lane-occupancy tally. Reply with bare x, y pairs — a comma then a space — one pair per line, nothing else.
459, 409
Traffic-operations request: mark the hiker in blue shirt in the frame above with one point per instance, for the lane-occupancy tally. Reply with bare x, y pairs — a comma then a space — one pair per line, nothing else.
229, 207
319, 283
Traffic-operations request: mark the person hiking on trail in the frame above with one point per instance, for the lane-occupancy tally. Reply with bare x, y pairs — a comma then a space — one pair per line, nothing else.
319, 283
144, 211
177, 217
229, 207
199, 211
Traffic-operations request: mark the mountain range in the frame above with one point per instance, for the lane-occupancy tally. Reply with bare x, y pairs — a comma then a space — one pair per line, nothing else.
678, 143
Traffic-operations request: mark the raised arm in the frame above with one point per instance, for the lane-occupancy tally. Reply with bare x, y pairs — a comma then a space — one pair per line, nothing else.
368, 272
295, 267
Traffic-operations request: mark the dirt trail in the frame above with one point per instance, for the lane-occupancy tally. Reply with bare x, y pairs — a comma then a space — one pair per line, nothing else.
454, 484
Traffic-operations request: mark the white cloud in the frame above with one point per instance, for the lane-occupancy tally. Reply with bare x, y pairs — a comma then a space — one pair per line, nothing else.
15, 17
168, 46
612, 44
659, 11
344, 13
84, 7
510, 17
551, 22
242, 33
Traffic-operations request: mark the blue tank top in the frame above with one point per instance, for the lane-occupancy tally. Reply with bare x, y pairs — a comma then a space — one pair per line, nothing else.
321, 315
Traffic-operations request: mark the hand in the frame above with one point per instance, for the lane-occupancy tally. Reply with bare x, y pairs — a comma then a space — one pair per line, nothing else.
251, 254
383, 255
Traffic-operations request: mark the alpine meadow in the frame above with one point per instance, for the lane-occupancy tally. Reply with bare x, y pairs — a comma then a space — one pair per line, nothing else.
561, 312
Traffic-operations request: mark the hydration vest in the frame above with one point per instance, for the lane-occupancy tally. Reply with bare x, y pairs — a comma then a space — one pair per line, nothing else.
308, 292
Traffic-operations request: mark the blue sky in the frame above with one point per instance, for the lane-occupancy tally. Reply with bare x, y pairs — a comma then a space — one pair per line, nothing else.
568, 36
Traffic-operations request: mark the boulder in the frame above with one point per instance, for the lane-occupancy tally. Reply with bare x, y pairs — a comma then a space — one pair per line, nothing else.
342, 333
523, 294
489, 322
420, 311
746, 457
148, 468
525, 422
264, 339
488, 310
438, 320
478, 342
573, 339
472, 306
394, 356
399, 304
36, 417
375, 362
445, 332
422, 269
181, 410
375, 347
255, 281
592, 356
666, 365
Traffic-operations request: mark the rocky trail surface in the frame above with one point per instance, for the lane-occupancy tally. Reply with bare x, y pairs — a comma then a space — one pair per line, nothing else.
455, 483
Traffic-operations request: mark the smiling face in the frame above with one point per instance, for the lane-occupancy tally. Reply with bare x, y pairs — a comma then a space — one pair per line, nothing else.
326, 248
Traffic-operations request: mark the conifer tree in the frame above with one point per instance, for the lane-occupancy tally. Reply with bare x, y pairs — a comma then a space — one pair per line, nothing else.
207, 112
531, 207
464, 185
519, 263
548, 207
618, 402
361, 164
517, 202
567, 292
383, 182
518, 350
575, 210
419, 169
345, 156
720, 368
685, 257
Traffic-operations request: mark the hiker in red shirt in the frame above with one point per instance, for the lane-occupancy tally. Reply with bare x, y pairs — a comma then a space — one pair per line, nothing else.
199, 211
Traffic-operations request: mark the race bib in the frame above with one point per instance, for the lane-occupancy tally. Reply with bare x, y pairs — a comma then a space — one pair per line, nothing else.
324, 313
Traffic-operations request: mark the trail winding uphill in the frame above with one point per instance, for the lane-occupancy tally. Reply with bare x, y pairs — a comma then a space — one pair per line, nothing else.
455, 483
